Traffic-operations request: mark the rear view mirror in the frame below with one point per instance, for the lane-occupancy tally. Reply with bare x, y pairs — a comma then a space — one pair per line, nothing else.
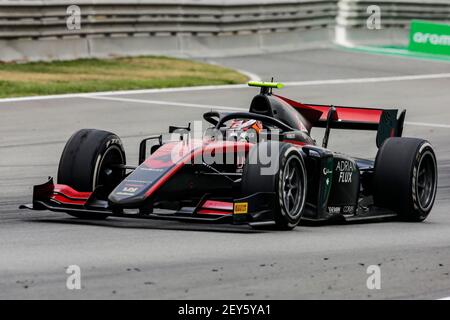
148, 146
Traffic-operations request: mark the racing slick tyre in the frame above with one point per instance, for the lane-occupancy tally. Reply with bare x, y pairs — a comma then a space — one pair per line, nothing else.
405, 178
288, 182
86, 163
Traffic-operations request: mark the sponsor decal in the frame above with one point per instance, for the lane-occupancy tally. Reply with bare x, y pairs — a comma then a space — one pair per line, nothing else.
290, 135
240, 208
348, 209
429, 37
124, 194
129, 189
327, 179
345, 165
345, 169
334, 209
345, 177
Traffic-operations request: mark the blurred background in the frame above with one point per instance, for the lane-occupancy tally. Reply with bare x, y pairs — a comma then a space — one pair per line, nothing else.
62, 29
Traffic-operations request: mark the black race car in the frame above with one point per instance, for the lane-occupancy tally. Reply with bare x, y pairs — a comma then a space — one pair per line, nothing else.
257, 167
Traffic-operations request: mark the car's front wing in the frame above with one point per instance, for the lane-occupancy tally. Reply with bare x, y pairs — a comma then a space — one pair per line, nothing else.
61, 198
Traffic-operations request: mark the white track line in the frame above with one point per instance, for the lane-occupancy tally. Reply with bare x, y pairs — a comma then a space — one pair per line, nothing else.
251, 76
446, 298
237, 86
210, 107
425, 124
165, 103
370, 80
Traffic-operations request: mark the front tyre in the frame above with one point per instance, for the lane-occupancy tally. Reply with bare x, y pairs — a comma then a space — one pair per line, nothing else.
405, 179
287, 181
90, 159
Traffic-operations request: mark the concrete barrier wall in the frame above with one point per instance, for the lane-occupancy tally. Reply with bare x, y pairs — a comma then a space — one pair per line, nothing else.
37, 29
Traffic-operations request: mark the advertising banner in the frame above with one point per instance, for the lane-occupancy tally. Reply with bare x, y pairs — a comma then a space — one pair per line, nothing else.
429, 37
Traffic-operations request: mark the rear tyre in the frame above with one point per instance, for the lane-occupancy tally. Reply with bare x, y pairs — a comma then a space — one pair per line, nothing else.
405, 177
288, 182
86, 163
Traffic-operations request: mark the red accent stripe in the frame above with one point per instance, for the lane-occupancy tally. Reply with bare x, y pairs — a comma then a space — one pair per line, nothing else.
70, 192
218, 205
353, 114
311, 114
298, 143
62, 199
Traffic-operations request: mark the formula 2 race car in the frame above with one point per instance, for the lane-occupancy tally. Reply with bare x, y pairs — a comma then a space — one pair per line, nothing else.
256, 167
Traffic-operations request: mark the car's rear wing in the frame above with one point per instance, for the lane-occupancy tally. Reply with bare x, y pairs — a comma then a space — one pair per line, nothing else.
384, 121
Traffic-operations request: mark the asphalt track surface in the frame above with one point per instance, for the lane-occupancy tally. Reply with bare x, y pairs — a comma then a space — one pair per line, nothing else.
140, 259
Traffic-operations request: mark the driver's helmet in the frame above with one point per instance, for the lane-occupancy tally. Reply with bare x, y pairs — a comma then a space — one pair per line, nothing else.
240, 129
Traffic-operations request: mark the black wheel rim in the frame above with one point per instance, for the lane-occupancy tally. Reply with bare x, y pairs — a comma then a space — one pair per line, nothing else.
292, 187
110, 176
426, 181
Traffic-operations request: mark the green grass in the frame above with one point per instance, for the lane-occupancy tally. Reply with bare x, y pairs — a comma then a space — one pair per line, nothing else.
93, 75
